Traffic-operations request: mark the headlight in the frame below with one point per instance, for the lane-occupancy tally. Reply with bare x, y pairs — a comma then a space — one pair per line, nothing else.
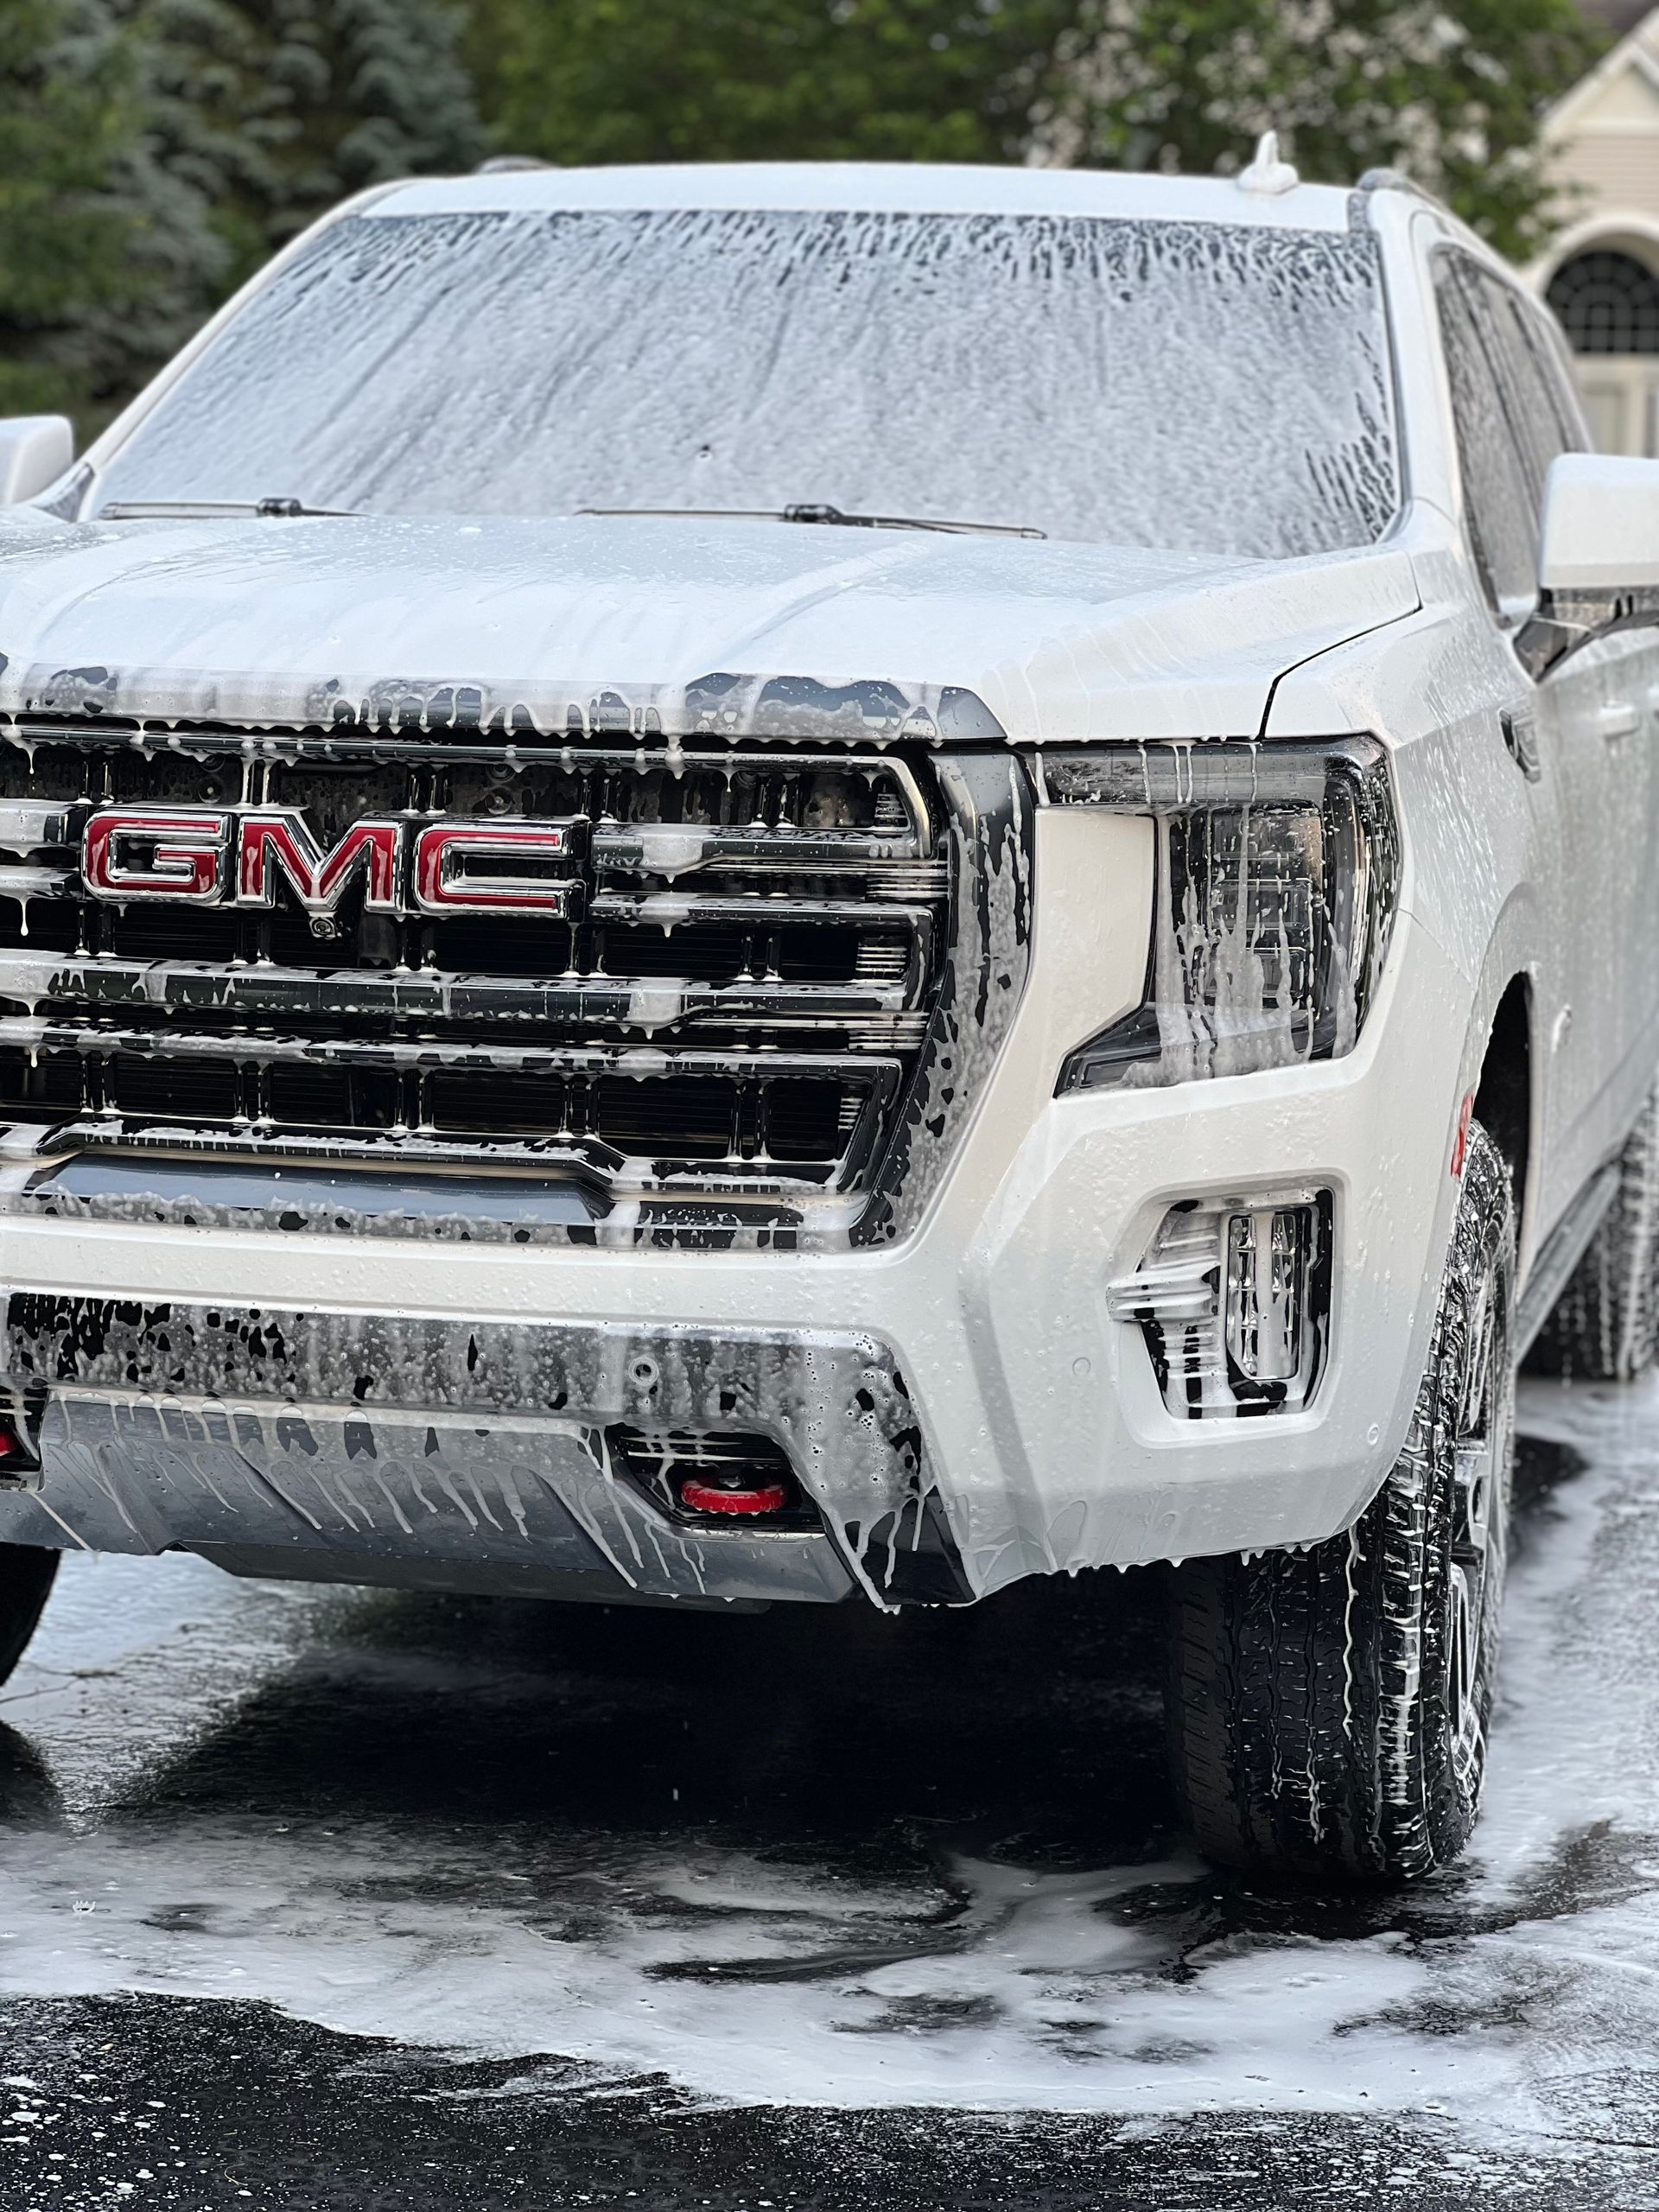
1278, 870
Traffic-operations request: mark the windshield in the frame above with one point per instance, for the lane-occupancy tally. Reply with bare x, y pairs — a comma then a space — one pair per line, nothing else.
1184, 385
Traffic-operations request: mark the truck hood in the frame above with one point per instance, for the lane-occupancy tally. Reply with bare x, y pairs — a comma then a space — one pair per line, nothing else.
820, 632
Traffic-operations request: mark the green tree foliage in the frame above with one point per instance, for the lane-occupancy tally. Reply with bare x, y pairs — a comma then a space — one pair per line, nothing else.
152, 152
276, 109
641, 80
1450, 94
105, 258
1453, 93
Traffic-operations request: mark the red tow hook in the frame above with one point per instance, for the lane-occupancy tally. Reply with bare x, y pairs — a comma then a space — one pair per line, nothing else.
752, 1500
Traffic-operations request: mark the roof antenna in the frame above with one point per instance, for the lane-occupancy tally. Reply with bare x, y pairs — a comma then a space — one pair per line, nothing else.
1267, 173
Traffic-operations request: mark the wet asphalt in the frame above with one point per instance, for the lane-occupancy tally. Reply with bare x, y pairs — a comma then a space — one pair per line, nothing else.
320, 1898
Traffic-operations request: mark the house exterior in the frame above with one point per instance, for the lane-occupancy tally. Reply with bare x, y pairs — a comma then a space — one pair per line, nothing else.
1601, 273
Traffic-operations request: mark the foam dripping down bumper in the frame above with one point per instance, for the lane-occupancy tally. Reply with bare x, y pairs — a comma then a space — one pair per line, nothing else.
440, 1454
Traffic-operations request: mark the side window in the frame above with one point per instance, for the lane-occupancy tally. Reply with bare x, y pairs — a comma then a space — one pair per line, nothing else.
1555, 366
1543, 426
1499, 487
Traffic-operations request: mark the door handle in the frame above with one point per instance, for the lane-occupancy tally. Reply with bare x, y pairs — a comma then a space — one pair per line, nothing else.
1520, 730
1618, 721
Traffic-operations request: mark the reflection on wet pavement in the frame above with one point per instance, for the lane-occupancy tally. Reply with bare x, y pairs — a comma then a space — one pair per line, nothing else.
839, 1859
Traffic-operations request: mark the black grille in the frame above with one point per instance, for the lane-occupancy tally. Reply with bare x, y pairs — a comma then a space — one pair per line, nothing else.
736, 1001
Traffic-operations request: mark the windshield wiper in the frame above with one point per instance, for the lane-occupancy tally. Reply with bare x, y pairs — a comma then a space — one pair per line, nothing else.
810, 513
207, 509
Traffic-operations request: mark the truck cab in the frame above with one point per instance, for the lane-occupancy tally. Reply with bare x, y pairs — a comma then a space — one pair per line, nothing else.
736, 884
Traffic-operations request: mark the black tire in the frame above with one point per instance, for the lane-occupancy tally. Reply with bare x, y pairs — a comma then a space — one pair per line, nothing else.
1604, 1326
1327, 1707
26, 1576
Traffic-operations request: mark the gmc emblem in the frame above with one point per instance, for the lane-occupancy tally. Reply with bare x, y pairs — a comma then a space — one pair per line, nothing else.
209, 856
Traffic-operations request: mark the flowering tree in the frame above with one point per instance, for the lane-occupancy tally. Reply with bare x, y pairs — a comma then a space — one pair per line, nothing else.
1451, 94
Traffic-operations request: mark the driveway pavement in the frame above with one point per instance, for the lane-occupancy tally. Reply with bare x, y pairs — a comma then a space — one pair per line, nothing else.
320, 1898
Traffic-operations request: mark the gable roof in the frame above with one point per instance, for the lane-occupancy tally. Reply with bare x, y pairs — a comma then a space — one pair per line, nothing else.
1637, 51
1617, 14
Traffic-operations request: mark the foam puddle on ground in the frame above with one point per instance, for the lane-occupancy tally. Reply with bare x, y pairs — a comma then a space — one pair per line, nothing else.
1517, 1996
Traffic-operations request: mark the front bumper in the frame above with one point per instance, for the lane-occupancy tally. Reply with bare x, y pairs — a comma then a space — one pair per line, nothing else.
960, 1405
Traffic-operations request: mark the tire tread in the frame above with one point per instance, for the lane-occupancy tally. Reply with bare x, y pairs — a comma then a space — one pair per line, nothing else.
1303, 1735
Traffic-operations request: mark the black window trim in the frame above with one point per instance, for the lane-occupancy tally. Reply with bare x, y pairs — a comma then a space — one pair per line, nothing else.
1452, 260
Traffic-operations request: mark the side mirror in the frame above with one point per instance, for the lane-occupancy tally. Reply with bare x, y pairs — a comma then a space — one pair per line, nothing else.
1598, 558
35, 450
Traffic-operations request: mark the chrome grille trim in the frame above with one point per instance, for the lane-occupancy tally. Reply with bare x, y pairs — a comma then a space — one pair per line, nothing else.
874, 1013
860, 852
422, 1054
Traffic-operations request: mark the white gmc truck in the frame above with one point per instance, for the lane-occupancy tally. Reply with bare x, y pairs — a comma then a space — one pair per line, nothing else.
729, 885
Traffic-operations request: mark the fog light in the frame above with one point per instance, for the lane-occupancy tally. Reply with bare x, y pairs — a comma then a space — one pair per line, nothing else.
1233, 1299
1268, 1250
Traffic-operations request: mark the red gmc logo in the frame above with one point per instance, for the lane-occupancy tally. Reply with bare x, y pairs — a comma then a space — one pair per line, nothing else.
209, 856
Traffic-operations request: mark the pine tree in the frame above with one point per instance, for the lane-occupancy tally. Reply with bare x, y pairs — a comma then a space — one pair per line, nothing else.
278, 110
106, 261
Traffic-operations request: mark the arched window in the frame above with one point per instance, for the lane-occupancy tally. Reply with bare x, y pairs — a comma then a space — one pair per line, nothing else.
1608, 303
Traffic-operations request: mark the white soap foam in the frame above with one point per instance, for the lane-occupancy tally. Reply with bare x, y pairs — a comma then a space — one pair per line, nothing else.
1510, 1998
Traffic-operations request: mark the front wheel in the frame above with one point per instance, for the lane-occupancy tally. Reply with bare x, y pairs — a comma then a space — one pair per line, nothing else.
26, 1577
1327, 1707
